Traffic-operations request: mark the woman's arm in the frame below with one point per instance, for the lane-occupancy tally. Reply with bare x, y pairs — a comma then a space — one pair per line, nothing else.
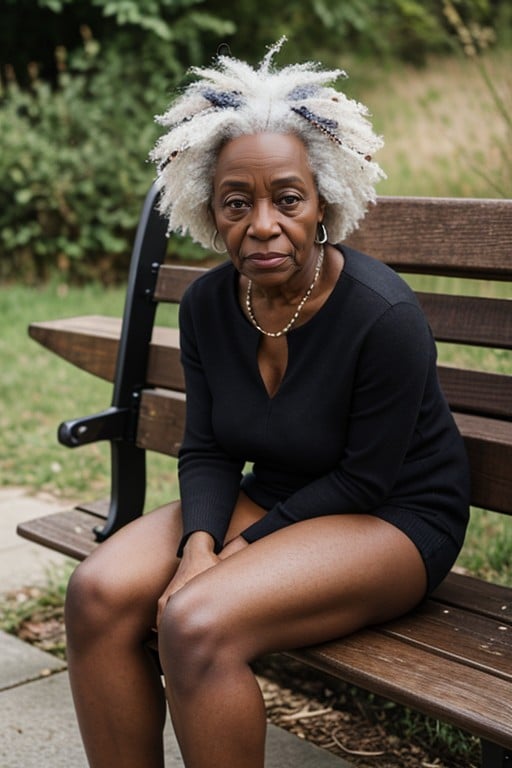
209, 478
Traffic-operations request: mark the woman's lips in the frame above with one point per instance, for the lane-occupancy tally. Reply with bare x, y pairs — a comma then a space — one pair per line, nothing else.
267, 260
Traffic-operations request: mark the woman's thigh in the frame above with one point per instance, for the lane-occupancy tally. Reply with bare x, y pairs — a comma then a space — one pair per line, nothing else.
310, 582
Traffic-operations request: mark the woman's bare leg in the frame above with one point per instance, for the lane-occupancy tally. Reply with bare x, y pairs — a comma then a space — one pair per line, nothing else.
110, 609
111, 606
314, 581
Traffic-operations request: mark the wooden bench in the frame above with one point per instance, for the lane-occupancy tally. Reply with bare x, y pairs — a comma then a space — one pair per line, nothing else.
451, 658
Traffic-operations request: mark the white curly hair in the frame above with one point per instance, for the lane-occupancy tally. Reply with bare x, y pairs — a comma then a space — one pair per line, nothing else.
234, 99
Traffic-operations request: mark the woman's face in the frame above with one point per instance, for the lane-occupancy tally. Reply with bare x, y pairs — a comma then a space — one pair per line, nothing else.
266, 207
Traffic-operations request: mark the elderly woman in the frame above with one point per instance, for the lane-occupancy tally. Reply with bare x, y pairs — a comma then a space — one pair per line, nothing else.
310, 361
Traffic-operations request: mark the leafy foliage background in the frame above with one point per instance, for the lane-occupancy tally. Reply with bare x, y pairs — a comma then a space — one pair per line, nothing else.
81, 80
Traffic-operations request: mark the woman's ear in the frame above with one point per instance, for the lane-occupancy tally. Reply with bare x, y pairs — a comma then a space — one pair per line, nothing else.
211, 214
321, 209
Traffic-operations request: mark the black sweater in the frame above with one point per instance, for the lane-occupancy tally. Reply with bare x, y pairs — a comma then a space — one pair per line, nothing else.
359, 421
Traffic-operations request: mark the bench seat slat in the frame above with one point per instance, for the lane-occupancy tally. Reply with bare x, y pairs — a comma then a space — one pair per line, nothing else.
69, 532
472, 594
483, 643
441, 688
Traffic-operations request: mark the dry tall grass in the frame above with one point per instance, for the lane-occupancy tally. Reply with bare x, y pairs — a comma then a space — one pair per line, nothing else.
445, 135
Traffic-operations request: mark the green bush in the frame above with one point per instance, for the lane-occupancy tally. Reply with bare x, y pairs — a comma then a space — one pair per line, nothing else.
73, 165
73, 160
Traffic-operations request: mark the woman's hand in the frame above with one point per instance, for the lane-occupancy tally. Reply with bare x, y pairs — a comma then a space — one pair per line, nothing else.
235, 545
198, 556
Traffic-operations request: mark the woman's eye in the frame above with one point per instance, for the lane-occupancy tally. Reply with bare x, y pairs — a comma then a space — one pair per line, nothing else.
289, 199
235, 203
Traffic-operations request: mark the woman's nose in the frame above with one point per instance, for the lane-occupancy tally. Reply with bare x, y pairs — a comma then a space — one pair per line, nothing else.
263, 222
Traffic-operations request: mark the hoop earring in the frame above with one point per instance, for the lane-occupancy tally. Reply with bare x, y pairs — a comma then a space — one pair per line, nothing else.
215, 247
321, 234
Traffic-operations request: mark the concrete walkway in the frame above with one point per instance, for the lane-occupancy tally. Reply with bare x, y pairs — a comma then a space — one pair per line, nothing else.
37, 722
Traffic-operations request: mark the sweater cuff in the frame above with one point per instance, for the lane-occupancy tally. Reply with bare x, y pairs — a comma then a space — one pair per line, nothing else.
273, 521
216, 549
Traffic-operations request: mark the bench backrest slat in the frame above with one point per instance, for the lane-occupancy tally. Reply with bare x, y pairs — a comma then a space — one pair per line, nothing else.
164, 365
477, 392
173, 281
489, 447
440, 236
461, 319
469, 319
489, 443
161, 421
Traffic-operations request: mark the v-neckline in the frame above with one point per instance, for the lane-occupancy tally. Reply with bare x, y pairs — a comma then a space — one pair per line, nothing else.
272, 375
294, 332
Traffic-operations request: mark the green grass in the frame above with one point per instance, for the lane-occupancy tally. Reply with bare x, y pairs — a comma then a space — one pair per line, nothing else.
38, 391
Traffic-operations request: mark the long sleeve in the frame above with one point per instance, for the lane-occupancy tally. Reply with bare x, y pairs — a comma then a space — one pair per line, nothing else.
209, 477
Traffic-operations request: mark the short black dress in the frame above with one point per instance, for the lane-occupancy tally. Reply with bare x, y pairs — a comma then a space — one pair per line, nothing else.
359, 423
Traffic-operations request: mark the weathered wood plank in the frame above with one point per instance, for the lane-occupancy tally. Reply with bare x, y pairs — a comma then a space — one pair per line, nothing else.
441, 688
436, 236
472, 639
90, 342
477, 392
489, 446
161, 421
472, 594
459, 319
164, 364
440, 236
173, 280
469, 319
69, 532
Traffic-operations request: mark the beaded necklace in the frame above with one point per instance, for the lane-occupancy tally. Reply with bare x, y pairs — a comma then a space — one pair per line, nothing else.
277, 334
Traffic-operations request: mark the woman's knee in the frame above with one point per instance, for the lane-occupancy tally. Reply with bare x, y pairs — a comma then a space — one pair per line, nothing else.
193, 641
91, 603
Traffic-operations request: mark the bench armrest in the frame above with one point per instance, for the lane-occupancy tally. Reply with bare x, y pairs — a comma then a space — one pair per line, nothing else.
110, 424
128, 470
